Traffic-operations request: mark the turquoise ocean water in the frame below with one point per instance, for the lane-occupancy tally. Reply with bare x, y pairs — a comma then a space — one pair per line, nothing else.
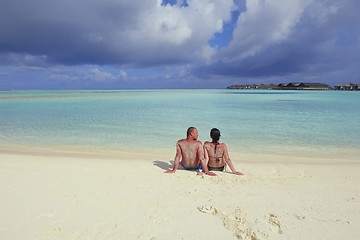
302, 123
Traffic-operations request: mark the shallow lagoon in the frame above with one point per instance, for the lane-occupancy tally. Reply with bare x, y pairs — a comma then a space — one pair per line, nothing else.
321, 123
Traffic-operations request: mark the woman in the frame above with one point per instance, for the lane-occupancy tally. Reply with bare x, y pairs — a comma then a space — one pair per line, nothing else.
216, 154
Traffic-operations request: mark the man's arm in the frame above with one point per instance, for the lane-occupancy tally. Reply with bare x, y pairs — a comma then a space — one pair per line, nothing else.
206, 155
176, 160
203, 161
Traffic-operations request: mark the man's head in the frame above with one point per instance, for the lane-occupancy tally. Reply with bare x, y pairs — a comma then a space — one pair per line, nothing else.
192, 132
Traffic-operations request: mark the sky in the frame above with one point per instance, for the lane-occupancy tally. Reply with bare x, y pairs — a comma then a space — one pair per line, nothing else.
128, 44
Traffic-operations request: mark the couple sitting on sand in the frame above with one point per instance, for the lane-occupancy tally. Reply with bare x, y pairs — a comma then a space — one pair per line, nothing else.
214, 157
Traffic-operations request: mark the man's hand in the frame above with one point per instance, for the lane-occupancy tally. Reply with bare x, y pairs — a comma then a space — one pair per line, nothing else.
238, 173
170, 171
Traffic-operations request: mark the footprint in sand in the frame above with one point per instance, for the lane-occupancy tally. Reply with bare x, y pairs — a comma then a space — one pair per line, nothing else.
240, 216
208, 209
298, 217
237, 223
274, 221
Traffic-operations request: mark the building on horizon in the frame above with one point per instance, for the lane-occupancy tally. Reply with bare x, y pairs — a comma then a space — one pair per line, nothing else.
348, 87
284, 86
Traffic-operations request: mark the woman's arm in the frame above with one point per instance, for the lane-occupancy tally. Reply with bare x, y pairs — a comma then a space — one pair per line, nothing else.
203, 160
229, 162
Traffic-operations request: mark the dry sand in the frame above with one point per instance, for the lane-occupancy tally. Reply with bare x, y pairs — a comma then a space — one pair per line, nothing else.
62, 197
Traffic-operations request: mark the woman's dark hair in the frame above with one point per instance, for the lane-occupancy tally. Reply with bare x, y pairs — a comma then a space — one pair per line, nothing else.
215, 135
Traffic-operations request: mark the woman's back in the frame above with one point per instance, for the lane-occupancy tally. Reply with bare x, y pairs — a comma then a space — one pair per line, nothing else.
215, 153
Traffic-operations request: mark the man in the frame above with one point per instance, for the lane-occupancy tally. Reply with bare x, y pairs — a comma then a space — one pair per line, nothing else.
191, 153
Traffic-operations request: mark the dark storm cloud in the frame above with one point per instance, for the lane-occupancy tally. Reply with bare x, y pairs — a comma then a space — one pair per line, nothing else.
108, 32
67, 31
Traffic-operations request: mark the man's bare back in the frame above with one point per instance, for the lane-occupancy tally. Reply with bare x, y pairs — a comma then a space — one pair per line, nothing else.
190, 152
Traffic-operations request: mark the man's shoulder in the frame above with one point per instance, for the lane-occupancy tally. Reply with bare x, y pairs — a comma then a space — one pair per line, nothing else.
181, 140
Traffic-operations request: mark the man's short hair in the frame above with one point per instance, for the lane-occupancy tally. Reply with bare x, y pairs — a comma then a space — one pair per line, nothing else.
190, 130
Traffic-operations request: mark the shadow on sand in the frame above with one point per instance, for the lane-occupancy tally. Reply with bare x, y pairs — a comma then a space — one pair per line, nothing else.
164, 165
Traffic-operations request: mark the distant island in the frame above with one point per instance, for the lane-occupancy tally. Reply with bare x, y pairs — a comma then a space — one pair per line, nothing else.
298, 86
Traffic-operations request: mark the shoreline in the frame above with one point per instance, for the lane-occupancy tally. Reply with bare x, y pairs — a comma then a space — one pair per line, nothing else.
244, 156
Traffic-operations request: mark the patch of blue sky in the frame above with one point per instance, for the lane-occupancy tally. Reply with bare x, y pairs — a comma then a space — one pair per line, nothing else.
183, 3
222, 39
347, 37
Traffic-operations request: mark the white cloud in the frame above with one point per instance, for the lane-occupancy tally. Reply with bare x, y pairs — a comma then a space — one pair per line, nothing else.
89, 73
24, 59
321, 11
177, 33
123, 75
98, 75
264, 23
164, 25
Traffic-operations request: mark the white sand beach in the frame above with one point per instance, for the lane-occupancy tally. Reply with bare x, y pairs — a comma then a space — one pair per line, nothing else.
63, 197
